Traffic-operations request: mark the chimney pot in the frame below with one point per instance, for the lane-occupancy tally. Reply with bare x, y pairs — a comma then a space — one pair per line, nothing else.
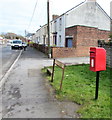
54, 16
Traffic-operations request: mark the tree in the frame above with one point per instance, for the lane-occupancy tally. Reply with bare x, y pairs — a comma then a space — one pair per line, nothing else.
10, 35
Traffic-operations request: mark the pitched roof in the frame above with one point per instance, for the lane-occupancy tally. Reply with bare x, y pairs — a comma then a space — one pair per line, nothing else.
70, 10
80, 5
103, 10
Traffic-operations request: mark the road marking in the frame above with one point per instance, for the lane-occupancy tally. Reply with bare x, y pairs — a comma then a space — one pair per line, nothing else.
4, 77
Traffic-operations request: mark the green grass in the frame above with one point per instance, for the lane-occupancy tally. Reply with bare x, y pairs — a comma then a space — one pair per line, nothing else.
79, 86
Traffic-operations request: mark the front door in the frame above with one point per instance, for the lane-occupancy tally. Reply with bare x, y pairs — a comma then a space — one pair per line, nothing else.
69, 42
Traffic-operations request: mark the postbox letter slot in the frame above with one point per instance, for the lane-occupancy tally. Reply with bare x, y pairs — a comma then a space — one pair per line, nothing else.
92, 57
92, 52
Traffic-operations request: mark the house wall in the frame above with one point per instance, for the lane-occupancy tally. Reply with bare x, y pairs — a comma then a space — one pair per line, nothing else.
40, 35
37, 36
88, 37
61, 31
84, 37
72, 32
111, 16
86, 23
59, 28
103, 35
88, 14
103, 21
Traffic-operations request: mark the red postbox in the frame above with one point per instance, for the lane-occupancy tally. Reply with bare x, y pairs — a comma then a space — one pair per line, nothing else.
97, 59
97, 63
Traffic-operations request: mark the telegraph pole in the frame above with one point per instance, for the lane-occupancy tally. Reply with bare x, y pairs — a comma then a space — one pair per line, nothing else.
48, 28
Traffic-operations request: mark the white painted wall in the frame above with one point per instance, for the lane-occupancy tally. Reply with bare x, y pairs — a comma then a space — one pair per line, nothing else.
103, 21
59, 27
88, 14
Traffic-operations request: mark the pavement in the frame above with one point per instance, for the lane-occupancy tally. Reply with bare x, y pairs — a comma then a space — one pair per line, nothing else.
26, 93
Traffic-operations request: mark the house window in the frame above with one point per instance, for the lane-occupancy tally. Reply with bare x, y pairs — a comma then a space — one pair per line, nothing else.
51, 26
60, 24
37, 40
55, 26
44, 39
55, 39
60, 40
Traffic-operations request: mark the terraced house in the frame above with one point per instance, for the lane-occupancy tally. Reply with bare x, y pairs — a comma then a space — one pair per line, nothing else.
75, 31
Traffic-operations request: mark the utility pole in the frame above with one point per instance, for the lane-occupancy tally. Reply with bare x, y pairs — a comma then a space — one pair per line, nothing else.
48, 28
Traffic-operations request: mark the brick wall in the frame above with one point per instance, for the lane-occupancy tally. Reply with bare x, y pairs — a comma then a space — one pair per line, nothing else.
103, 35
108, 49
72, 31
61, 52
85, 37
41, 48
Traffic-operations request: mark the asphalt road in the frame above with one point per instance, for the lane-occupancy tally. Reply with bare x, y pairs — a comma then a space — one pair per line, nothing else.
7, 57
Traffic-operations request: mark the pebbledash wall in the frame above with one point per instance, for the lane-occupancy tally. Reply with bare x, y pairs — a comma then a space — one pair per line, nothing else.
83, 38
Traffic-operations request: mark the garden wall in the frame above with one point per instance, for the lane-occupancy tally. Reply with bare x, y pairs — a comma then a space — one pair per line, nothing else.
109, 54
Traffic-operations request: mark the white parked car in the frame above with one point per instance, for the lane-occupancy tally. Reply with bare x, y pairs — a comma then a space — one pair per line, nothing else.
16, 44
9, 42
24, 44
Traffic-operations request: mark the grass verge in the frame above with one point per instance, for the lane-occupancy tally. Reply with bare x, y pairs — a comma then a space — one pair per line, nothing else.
79, 86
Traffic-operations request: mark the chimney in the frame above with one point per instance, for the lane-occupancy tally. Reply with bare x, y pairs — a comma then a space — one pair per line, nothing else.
54, 16
90, 0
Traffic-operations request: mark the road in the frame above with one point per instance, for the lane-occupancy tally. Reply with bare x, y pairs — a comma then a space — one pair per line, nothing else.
7, 57
27, 94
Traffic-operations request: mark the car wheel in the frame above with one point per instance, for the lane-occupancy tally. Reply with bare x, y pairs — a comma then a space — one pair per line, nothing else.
12, 48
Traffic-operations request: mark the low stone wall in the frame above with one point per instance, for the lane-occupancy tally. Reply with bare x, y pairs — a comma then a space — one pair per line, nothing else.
109, 54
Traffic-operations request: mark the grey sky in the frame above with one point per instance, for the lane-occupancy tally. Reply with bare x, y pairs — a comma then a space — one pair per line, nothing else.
15, 15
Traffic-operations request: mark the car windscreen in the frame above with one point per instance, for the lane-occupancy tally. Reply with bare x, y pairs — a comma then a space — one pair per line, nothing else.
17, 42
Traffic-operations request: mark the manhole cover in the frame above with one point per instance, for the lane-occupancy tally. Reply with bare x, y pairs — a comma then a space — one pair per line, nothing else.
32, 72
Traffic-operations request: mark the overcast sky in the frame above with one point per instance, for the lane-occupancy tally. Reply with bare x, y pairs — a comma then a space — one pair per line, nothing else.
15, 15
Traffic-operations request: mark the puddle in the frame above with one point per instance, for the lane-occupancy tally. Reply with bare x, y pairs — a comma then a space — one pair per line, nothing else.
15, 93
